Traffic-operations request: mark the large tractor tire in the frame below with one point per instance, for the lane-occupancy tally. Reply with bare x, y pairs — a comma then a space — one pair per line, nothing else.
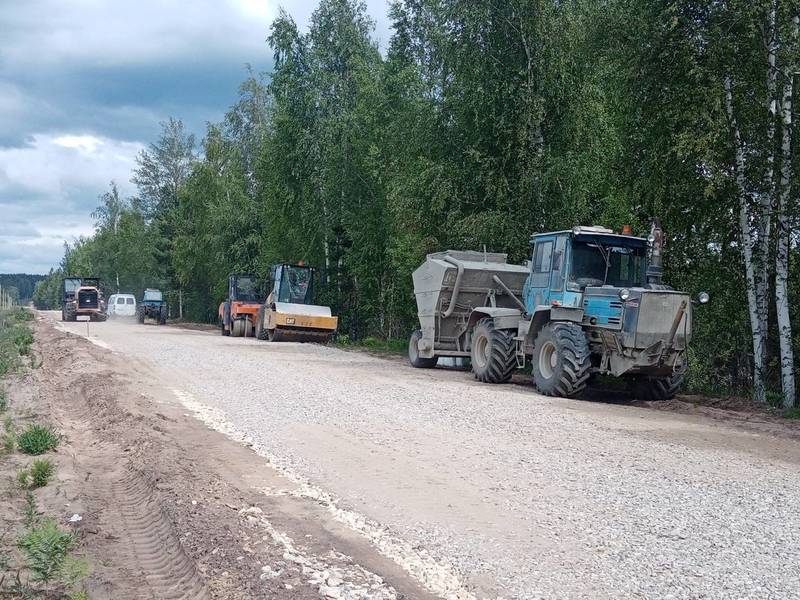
561, 360
414, 358
657, 388
162, 316
70, 313
493, 354
140, 315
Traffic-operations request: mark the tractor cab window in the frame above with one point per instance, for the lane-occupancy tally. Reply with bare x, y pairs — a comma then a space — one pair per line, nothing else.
70, 285
595, 263
247, 290
153, 296
296, 285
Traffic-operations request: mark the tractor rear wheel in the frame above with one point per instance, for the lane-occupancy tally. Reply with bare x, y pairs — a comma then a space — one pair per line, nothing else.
162, 316
414, 358
657, 388
561, 360
493, 353
140, 315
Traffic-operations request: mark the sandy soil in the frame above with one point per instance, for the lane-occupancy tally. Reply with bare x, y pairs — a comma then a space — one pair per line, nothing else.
434, 484
169, 508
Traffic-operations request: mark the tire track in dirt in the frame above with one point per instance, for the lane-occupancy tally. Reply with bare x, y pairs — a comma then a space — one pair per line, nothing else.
170, 573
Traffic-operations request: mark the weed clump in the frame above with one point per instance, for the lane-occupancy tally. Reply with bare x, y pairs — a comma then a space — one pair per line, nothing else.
42, 471
37, 439
24, 478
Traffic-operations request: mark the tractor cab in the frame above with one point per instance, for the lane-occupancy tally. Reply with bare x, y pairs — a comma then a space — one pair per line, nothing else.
292, 284
567, 267
71, 285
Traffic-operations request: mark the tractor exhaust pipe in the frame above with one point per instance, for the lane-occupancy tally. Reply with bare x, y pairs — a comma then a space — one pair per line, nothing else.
655, 270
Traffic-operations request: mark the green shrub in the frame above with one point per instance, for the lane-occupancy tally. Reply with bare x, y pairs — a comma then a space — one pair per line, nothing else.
22, 338
37, 439
46, 548
42, 471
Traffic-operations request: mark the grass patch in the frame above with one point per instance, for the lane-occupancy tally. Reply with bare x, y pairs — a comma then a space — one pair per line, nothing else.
3, 401
373, 344
37, 439
9, 438
16, 338
31, 510
792, 413
24, 478
46, 548
42, 471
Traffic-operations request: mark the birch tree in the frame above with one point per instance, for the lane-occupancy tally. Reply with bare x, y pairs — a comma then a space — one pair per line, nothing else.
784, 225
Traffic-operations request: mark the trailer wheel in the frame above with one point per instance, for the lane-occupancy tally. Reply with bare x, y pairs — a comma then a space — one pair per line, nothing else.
561, 360
658, 388
414, 358
493, 353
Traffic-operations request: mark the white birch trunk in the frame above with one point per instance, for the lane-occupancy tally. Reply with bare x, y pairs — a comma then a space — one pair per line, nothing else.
759, 387
784, 234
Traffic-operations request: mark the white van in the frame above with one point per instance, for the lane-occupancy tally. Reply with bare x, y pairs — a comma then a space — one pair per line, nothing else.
122, 305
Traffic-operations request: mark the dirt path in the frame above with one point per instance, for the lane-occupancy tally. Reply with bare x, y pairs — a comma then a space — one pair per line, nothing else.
171, 509
446, 485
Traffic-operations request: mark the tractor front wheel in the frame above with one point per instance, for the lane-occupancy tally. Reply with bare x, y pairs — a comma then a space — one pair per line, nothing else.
561, 360
414, 358
236, 328
140, 315
70, 313
657, 388
493, 353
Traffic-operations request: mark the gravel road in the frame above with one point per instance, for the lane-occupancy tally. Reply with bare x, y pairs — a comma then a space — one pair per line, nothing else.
517, 495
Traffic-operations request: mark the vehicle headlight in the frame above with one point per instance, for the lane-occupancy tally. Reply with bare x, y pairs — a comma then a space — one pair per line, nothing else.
703, 297
624, 294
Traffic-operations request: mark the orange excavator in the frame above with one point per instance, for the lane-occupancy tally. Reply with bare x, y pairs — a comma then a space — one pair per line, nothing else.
238, 312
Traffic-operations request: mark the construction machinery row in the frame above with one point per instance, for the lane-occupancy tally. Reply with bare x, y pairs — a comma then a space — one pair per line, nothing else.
281, 311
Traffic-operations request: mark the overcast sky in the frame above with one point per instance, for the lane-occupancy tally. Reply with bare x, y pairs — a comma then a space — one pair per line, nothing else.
84, 85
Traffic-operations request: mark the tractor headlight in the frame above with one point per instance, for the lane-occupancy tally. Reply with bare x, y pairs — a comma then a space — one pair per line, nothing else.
651, 239
703, 297
624, 294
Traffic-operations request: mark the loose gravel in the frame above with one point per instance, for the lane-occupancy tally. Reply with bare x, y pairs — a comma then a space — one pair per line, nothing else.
513, 494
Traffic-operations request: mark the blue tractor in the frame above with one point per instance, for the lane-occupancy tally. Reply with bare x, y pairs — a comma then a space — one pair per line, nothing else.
590, 302
152, 306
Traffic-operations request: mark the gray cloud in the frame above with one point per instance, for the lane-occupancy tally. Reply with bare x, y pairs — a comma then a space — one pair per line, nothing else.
84, 86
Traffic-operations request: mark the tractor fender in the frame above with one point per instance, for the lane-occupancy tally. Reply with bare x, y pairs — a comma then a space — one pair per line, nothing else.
504, 318
542, 315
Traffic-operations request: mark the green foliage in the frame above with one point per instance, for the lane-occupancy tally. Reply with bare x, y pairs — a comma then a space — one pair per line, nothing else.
9, 441
38, 439
24, 479
3, 400
483, 123
42, 470
46, 548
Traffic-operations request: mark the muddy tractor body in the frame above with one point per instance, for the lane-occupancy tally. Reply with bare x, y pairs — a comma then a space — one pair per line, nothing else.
289, 312
590, 302
237, 313
82, 298
152, 306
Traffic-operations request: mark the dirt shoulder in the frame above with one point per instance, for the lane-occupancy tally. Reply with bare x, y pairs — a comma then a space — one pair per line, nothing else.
170, 508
